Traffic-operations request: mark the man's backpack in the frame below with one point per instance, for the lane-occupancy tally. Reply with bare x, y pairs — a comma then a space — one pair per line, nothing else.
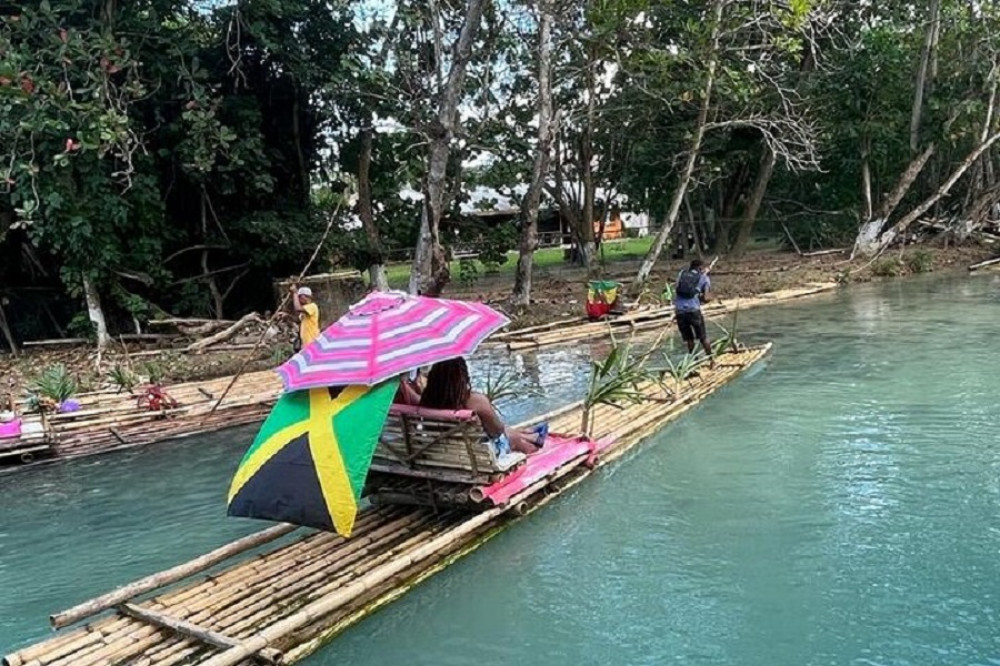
688, 283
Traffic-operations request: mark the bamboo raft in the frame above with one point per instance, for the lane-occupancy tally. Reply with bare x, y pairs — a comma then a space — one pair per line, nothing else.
567, 331
109, 421
284, 603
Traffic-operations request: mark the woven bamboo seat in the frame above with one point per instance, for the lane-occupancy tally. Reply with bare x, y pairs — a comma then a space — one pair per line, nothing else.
439, 444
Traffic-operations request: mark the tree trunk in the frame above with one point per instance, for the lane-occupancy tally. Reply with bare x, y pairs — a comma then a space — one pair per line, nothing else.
764, 174
866, 179
95, 312
5, 329
588, 242
376, 271
922, 73
900, 227
213, 286
869, 241
429, 262
685, 178
521, 296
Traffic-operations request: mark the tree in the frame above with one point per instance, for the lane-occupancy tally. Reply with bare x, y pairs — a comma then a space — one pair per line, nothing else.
547, 123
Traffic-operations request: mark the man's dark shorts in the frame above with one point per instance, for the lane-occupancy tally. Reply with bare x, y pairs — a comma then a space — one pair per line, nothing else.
691, 324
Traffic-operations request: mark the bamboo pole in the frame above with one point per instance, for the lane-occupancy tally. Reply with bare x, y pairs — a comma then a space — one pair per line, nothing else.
215, 639
173, 575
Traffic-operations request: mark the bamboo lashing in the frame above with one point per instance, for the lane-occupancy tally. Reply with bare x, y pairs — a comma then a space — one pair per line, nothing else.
334, 581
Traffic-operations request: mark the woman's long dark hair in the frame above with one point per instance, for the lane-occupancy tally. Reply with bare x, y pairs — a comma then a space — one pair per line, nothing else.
448, 385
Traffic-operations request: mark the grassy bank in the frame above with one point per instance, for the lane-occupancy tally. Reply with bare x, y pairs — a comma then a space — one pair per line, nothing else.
626, 249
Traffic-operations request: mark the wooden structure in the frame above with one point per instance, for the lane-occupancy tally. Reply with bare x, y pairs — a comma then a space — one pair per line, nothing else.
108, 421
30, 441
568, 331
438, 445
285, 602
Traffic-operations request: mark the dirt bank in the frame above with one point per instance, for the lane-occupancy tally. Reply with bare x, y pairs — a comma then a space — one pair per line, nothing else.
558, 293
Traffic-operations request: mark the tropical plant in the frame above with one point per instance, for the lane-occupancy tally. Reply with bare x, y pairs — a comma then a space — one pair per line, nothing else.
154, 371
728, 342
682, 369
618, 379
55, 384
502, 384
123, 377
920, 261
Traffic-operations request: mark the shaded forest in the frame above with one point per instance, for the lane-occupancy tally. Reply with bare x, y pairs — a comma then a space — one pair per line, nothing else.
176, 156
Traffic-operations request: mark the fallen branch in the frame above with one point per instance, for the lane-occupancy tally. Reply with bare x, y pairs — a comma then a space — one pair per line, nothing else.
224, 335
984, 264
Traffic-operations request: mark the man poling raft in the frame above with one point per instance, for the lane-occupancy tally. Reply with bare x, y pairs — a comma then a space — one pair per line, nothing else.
693, 288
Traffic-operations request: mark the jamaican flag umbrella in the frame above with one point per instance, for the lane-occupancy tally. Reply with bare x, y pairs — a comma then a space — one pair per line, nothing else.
308, 464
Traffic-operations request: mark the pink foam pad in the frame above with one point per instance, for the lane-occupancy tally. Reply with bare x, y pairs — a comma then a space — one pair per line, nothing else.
558, 450
10, 429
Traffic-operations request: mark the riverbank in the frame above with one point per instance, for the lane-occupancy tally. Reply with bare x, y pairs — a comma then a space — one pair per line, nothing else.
559, 292
110, 420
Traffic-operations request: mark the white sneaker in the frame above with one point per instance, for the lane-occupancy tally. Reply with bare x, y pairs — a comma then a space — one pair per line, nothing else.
507, 460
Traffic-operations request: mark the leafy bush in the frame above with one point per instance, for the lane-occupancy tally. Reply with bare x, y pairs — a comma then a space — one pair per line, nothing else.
920, 261
81, 327
468, 272
154, 371
888, 267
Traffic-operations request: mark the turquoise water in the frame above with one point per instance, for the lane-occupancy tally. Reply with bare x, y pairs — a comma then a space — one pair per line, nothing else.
72, 531
841, 506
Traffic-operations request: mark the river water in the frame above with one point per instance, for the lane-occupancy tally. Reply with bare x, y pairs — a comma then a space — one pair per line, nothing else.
842, 506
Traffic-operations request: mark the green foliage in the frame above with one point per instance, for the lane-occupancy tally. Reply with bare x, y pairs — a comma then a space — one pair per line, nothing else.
56, 384
682, 369
616, 380
468, 272
155, 372
281, 352
123, 377
81, 327
728, 342
887, 267
920, 261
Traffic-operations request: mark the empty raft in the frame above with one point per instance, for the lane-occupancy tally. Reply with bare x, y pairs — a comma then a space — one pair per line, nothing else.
285, 602
108, 421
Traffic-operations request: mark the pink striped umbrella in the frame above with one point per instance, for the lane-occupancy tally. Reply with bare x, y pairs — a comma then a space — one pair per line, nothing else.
388, 334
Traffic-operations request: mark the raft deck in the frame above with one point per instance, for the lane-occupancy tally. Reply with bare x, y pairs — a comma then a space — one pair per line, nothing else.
568, 331
108, 421
283, 604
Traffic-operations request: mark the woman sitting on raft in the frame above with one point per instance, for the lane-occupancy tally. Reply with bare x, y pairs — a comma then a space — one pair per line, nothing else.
448, 387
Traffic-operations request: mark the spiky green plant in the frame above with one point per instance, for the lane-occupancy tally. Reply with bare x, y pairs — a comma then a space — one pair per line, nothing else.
616, 380
682, 369
500, 384
729, 341
123, 377
55, 383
